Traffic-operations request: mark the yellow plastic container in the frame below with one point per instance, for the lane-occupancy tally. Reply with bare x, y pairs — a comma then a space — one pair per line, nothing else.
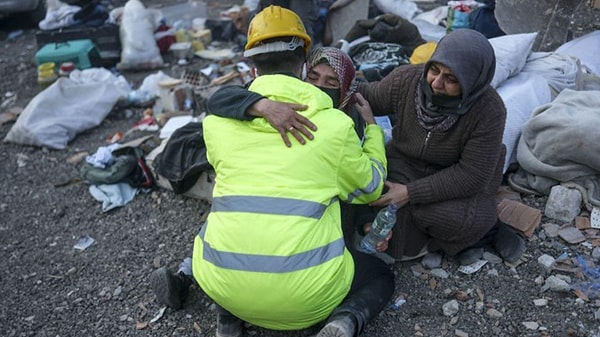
47, 66
197, 45
46, 77
200, 39
182, 35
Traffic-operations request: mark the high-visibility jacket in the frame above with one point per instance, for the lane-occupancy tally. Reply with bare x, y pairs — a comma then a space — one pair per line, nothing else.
272, 251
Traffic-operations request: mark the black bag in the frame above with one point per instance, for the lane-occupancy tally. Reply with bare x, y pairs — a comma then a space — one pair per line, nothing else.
184, 157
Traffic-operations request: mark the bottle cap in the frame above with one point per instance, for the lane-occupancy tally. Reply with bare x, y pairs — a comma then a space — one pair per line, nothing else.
67, 66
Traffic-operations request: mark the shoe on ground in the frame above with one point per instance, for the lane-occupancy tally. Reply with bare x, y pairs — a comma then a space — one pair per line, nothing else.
510, 245
229, 326
470, 255
170, 289
343, 326
424, 251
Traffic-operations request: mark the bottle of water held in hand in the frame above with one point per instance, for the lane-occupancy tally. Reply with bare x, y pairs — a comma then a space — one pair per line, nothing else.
380, 228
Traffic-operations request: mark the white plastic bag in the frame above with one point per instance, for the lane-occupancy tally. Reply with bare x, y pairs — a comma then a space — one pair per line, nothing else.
67, 107
511, 55
561, 71
521, 94
137, 38
586, 48
403, 8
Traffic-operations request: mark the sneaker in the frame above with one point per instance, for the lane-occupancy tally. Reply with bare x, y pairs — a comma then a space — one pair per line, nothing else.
469, 255
229, 326
510, 245
344, 326
170, 289
424, 251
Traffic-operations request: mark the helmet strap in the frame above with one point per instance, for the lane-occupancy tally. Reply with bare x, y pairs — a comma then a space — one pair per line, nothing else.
277, 46
304, 72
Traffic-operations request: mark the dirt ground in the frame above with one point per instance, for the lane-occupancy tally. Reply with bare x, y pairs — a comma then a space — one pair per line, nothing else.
50, 289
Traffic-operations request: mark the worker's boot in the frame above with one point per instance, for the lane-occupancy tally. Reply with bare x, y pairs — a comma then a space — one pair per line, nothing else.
340, 325
170, 289
229, 326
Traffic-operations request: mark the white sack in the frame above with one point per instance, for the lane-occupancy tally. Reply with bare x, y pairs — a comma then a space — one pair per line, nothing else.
139, 49
586, 48
521, 95
67, 107
403, 8
429, 31
561, 71
434, 16
511, 55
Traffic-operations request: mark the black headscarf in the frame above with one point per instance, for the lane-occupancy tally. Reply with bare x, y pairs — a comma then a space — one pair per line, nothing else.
471, 58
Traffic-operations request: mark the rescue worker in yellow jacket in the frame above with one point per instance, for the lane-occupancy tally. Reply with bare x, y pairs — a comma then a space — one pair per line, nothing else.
272, 252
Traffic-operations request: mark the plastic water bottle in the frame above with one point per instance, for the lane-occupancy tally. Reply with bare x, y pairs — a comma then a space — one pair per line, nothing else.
380, 228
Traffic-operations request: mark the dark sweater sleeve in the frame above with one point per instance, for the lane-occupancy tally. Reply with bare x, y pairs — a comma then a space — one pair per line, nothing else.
232, 101
385, 95
378, 94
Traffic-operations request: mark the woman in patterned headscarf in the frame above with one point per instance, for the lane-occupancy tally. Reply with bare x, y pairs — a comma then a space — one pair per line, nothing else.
340, 84
332, 71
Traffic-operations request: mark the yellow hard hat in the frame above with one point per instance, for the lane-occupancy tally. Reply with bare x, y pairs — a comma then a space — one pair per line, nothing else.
422, 53
273, 22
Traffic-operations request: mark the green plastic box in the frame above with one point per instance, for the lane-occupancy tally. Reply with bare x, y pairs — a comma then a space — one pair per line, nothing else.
83, 53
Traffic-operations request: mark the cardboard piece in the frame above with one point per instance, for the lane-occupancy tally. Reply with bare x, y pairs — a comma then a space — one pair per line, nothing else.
505, 192
519, 216
582, 222
571, 235
137, 142
173, 94
215, 54
175, 123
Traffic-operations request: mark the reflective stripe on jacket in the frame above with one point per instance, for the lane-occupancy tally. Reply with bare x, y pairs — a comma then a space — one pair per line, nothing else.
272, 251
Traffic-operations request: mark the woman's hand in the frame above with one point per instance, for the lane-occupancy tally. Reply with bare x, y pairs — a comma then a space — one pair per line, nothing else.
396, 194
364, 108
382, 245
284, 118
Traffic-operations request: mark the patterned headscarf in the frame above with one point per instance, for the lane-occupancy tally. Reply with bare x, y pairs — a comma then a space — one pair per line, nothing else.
343, 67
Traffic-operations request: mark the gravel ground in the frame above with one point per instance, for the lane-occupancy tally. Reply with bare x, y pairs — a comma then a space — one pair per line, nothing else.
51, 289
